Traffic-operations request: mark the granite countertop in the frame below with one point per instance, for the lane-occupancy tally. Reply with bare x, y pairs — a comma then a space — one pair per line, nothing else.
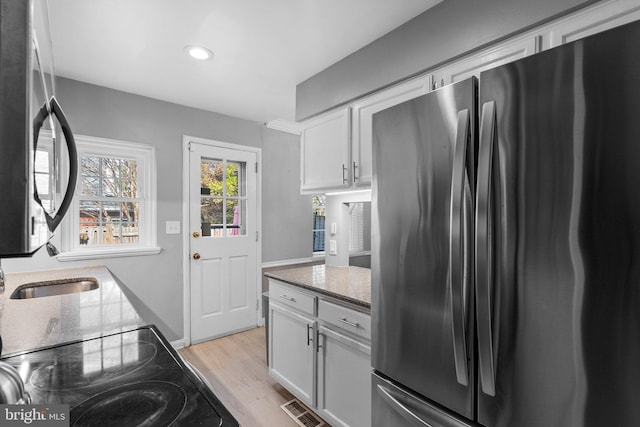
350, 284
30, 324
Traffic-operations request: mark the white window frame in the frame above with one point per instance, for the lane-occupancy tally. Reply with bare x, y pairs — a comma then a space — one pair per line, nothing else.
314, 230
145, 155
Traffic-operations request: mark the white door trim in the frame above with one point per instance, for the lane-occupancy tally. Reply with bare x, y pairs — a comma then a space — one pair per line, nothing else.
186, 258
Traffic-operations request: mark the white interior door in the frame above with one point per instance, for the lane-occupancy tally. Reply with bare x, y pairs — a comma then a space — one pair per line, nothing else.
223, 240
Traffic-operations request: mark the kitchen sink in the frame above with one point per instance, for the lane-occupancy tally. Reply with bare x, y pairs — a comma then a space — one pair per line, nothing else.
55, 287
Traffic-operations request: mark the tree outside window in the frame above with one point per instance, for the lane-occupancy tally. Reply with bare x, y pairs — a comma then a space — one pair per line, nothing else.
109, 204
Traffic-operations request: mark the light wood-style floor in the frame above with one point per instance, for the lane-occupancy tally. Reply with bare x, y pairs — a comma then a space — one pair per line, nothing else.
236, 367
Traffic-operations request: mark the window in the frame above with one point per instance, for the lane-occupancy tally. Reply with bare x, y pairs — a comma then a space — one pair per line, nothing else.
319, 212
360, 230
356, 239
113, 212
223, 198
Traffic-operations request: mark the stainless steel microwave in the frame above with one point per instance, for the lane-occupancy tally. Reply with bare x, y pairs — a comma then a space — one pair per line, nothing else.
34, 133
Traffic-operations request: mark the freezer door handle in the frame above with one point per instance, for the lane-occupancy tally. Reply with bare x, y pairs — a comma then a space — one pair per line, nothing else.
459, 248
401, 409
484, 249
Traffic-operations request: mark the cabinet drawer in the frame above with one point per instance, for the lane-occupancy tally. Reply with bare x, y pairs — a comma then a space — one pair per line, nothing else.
345, 318
291, 297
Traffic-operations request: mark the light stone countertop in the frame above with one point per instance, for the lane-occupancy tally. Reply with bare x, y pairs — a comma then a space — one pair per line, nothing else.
350, 284
34, 323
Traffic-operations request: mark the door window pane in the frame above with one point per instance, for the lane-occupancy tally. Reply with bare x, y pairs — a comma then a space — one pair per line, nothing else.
212, 176
236, 182
222, 198
236, 214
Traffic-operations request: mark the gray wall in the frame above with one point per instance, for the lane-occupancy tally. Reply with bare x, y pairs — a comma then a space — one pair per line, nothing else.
287, 216
338, 212
448, 30
155, 281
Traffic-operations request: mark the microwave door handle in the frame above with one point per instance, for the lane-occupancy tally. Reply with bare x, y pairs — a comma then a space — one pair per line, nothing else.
38, 121
458, 249
73, 165
401, 409
483, 249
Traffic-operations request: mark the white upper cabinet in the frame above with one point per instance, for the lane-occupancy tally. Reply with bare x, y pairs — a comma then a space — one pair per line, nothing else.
337, 147
363, 111
486, 59
325, 152
597, 18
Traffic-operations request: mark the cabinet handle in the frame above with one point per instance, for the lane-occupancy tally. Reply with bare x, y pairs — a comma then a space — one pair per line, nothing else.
355, 172
345, 174
309, 339
283, 296
345, 321
318, 341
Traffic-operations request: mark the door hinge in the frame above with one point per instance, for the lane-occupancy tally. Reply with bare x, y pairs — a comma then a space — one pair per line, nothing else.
256, 167
257, 304
257, 236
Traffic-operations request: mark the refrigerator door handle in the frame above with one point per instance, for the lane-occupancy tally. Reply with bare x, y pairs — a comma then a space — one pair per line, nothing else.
458, 248
484, 249
401, 409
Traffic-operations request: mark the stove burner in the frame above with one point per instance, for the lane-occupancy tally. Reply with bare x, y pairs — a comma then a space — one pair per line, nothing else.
146, 404
72, 369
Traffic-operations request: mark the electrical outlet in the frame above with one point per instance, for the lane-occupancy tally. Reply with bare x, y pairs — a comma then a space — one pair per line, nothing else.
333, 247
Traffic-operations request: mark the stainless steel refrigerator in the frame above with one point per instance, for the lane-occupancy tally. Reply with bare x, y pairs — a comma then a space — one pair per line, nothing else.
506, 245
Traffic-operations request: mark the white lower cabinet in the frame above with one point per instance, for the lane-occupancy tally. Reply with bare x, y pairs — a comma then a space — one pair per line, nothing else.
323, 360
292, 352
344, 380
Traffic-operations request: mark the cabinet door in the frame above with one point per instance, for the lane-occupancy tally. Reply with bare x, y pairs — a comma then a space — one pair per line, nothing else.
592, 20
291, 352
344, 380
486, 59
325, 152
363, 111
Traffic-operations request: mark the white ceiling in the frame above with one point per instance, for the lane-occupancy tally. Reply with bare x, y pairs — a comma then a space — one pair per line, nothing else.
262, 48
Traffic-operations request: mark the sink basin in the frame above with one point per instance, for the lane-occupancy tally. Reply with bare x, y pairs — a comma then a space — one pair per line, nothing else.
55, 287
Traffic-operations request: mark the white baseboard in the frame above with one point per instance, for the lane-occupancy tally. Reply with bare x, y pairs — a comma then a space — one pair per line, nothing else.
177, 344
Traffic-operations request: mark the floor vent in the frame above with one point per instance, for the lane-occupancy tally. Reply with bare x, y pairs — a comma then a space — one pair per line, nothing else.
301, 415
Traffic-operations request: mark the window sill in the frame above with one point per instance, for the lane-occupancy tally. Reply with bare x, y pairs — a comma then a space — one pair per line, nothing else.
107, 253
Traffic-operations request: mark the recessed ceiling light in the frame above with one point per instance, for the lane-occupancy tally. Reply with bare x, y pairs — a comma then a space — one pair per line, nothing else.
198, 52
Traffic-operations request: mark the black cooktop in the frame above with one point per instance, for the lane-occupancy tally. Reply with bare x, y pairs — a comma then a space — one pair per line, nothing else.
132, 378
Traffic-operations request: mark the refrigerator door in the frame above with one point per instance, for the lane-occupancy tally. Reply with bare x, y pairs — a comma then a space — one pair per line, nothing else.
393, 406
558, 237
422, 310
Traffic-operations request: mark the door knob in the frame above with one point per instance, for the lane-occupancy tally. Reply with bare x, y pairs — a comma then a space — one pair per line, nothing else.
196, 234
196, 256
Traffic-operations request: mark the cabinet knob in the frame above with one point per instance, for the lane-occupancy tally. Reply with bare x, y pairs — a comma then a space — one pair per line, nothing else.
196, 256
196, 234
